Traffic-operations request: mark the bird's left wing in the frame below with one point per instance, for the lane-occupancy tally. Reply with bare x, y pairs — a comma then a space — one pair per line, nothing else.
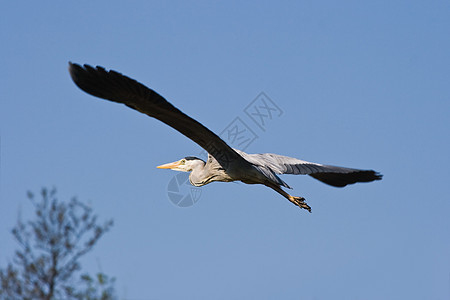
332, 175
116, 87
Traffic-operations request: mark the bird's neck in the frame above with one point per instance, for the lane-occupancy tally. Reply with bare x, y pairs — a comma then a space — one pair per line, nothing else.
198, 174
205, 173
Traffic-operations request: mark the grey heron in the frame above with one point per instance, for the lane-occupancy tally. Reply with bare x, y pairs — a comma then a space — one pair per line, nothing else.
223, 163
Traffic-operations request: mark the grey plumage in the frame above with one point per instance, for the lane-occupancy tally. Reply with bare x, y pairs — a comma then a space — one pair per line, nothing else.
332, 175
224, 163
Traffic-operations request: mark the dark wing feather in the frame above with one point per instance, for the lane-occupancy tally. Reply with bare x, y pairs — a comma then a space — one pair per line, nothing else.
342, 179
116, 87
332, 175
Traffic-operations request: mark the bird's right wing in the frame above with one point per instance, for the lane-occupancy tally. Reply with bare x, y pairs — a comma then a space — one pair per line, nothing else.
332, 175
116, 87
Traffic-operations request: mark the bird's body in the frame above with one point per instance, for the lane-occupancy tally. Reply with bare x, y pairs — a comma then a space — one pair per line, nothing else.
223, 163
241, 170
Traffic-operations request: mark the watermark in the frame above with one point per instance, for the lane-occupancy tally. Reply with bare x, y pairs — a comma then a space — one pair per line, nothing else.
237, 134
181, 192
262, 110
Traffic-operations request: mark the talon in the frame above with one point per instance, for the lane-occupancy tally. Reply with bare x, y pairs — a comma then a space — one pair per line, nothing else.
300, 202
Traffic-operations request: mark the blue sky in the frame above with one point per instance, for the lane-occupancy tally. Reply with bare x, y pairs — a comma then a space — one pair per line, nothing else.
360, 84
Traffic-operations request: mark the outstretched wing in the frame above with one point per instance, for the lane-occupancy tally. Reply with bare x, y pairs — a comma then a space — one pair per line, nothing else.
116, 87
332, 175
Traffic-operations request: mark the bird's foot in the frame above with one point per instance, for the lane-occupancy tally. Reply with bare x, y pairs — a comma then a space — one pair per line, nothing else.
300, 202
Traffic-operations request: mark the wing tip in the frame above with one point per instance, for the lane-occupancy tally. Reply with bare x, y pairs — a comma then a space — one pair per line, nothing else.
377, 175
75, 69
92, 80
344, 179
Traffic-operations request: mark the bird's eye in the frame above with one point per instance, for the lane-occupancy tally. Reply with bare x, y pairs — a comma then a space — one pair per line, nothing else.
183, 161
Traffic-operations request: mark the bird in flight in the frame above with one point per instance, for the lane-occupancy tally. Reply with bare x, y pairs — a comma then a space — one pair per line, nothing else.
223, 163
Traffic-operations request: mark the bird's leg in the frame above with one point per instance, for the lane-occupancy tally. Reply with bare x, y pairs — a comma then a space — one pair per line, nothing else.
299, 201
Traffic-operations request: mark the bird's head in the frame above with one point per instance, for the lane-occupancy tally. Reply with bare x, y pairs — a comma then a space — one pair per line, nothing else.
186, 164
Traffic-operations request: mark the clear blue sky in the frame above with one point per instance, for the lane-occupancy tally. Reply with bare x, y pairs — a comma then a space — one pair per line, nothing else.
361, 84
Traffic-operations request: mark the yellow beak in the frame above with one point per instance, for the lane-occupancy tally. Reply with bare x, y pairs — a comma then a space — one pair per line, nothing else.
169, 165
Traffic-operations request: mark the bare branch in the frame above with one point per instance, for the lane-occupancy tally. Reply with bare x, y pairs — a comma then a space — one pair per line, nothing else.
50, 247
